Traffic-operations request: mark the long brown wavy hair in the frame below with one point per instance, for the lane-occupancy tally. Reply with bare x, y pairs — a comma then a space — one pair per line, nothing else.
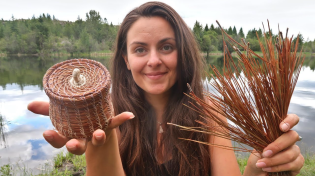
138, 143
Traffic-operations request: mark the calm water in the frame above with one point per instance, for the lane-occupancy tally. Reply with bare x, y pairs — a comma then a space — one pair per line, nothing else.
21, 83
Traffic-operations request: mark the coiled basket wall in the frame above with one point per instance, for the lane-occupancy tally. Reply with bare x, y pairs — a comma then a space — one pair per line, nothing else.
78, 90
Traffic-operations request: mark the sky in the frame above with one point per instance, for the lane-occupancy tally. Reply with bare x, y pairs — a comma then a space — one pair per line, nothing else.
298, 16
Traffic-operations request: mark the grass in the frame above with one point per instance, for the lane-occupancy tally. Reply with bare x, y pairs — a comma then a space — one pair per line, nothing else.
63, 164
68, 164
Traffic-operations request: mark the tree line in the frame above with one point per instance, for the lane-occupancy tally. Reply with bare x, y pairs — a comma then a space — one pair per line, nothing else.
210, 38
46, 34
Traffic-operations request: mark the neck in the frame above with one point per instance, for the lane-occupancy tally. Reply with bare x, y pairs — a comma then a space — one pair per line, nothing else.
158, 102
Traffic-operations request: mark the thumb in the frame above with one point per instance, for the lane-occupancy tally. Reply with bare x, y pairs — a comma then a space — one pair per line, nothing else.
120, 119
252, 165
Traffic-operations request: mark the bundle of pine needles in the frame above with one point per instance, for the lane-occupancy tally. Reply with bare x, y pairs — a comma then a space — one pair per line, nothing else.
254, 94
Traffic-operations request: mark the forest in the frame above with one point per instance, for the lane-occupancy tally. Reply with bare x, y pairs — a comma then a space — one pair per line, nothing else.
45, 34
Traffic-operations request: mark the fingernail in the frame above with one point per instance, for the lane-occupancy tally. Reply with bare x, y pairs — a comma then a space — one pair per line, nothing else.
48, 137
98, 137
72, 147
260, 164
266, 169
285, 127
267, 153
131, 115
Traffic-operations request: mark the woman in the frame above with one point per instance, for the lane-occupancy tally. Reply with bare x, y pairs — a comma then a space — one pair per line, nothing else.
156, 55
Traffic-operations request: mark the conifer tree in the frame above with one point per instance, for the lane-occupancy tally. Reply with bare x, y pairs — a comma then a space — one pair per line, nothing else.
234, 32
206, 28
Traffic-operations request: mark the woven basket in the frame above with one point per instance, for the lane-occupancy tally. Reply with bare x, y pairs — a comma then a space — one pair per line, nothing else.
78, 90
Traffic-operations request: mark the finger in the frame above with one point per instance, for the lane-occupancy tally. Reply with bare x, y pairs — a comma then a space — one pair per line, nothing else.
300, 162
39, 107
55, 139
283, 157
98, 138
294, 166
289, 122
120, 118
77, 146
284, 141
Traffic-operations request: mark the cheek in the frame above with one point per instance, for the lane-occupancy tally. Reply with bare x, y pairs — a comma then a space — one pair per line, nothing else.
136, 66
171, 62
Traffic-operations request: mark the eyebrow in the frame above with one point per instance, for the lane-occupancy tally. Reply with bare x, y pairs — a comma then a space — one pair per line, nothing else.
161, 41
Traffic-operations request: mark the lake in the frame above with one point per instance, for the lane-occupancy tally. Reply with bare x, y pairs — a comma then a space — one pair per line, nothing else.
21, 83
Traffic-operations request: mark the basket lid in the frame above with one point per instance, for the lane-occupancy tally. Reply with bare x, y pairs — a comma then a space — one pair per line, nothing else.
76, 80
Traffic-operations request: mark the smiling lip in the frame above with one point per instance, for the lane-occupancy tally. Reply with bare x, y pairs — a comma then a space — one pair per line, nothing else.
155, 75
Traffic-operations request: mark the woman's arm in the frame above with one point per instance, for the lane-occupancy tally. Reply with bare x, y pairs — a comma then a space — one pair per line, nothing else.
104, 159
223, 161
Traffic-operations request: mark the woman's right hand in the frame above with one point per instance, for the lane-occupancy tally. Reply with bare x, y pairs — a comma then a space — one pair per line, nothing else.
77, 146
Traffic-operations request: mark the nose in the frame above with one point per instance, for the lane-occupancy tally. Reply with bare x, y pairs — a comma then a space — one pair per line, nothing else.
154, 59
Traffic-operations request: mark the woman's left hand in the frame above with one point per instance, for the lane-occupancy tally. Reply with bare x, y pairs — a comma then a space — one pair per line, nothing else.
281, 155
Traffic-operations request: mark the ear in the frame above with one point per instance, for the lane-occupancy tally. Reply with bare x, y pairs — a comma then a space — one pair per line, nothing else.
126, 61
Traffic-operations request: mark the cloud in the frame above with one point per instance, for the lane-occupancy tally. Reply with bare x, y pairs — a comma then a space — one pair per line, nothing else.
13, 103
27, 147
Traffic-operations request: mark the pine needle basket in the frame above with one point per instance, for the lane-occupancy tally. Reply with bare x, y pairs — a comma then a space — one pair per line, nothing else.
80, 103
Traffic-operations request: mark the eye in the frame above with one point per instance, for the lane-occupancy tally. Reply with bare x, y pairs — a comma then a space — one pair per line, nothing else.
140, 50
167, 48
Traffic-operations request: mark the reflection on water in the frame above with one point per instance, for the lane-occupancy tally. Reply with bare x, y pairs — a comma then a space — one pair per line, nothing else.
21, 83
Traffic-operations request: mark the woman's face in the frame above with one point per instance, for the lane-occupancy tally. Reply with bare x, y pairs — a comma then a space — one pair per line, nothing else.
152, 54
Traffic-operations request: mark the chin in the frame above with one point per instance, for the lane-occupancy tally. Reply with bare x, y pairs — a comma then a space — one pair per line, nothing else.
157, 91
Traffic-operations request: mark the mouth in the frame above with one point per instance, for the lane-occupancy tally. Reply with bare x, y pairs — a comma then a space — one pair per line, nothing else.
155, 75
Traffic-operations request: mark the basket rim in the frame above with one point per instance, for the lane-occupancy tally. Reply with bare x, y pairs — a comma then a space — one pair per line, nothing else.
88, 95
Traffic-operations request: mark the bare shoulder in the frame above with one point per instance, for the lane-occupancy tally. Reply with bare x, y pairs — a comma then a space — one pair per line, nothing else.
211, 104
218, 155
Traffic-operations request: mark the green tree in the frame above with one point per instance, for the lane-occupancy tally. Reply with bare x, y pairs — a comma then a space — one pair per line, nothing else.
241, 33
206, 43
212, 27
198, 32
42, 35
301, 41
251, 34
68, 31
206, 28
85, 42
254, 44
234, 32
259, 33
230, 31
78, 27
14, 27
93, 16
